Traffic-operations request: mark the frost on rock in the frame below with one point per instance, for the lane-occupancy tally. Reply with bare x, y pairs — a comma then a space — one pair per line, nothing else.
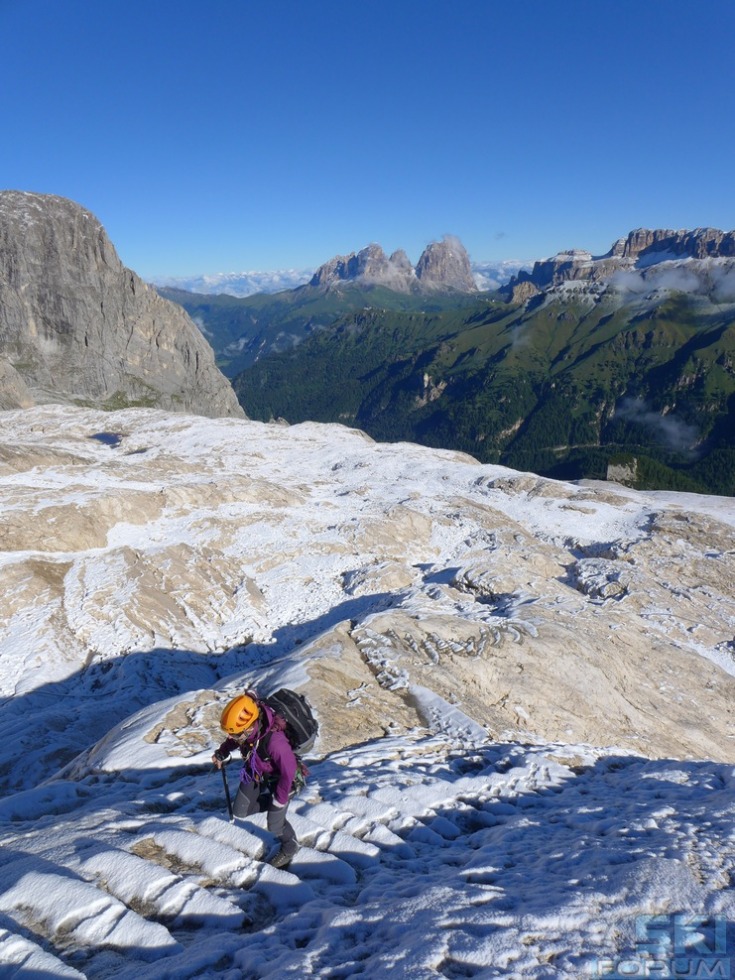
514, 679
600, 579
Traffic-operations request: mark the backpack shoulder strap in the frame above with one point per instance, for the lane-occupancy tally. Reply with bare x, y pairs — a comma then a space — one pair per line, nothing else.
263, 745
278, 724
267, 725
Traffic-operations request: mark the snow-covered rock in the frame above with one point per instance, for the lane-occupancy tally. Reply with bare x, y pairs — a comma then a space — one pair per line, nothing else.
525, 691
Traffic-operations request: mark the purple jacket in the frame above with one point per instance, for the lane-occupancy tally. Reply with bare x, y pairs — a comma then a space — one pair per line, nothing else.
279, 761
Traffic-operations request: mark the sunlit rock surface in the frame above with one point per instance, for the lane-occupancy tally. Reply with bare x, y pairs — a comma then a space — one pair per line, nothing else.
138, 541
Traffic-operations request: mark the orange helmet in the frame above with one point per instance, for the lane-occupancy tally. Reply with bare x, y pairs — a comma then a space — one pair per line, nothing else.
239, 714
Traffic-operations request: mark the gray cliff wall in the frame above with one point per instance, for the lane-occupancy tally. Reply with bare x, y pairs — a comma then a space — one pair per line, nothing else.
78, 327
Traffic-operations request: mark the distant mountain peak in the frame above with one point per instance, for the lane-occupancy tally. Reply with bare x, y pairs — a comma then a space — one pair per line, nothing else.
640, 250
443, 266
446, 264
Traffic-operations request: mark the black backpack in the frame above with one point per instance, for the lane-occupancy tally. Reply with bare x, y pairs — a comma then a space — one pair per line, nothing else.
301, 725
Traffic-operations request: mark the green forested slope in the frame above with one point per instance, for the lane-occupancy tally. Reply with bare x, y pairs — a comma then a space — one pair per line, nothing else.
242, 330
562, 386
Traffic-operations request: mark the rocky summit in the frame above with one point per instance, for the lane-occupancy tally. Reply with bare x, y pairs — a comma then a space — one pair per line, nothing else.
443, 267
78, 327
641, 250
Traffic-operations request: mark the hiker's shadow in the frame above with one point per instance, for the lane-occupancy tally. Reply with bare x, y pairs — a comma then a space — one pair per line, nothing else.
43, 729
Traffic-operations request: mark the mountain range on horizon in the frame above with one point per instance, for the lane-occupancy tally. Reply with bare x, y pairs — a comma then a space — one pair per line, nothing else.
486, 275
640, 248
618, 366
445, 266
641, 252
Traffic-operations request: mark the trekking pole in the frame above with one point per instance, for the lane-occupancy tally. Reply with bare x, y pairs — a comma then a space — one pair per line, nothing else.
223, 769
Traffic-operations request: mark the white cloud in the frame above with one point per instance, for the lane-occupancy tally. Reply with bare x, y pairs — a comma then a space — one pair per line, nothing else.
668, 429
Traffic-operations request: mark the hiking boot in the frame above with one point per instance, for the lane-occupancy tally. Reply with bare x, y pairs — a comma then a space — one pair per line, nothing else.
282, 859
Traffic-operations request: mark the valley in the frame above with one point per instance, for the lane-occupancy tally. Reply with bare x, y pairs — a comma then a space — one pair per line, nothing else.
578, 369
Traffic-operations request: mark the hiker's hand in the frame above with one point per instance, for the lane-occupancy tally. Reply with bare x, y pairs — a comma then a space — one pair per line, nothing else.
220, 758
217, 762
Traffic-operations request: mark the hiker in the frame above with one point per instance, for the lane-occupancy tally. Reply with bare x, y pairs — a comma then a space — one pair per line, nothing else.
270, 767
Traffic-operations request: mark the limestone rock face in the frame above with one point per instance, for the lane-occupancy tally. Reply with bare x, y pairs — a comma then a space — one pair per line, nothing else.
698, 244
443, 266
640, 249
400, 261
13, 390
446, 265
523, 291
78, 327
370, 265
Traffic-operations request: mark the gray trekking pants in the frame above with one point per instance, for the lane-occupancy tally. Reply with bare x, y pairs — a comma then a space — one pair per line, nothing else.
255, 798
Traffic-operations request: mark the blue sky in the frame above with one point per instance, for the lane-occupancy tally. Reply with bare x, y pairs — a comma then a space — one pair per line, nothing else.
264, 134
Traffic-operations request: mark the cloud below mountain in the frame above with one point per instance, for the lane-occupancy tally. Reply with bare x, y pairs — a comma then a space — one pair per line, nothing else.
667, 429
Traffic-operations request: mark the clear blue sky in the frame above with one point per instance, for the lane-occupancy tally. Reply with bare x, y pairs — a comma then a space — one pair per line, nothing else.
264, 134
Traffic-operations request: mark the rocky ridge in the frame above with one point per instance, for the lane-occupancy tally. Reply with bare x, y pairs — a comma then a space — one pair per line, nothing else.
641, 250
78, 327
443, 267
